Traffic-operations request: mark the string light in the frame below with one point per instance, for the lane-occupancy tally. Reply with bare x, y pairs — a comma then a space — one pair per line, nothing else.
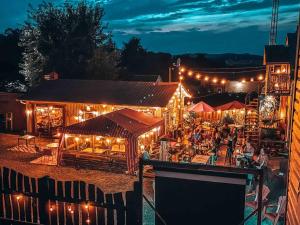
215, 80
260, 77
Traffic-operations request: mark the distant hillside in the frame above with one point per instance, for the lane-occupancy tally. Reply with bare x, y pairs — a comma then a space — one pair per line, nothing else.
234, 60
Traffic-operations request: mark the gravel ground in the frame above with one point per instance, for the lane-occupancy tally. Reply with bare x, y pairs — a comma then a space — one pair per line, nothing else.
107, 181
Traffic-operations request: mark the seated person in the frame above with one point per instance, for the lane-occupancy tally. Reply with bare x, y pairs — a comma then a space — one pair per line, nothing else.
249, 149
262, 160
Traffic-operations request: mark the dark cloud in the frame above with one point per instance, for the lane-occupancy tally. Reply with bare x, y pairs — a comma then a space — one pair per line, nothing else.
188, 22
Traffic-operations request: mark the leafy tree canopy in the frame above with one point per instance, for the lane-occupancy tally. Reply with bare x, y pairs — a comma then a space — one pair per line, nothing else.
69, 39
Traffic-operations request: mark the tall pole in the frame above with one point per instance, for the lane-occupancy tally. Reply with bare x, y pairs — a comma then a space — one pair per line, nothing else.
170, 74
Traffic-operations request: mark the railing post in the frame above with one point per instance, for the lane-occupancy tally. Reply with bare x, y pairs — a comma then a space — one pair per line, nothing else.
139, 189
260, 202
43, 198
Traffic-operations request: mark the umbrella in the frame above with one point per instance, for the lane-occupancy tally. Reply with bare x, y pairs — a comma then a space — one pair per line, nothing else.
201, 107
231, 106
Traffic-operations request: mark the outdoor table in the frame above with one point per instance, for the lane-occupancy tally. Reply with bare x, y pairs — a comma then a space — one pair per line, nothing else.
96, 150
52, 145
27, 138
203, 159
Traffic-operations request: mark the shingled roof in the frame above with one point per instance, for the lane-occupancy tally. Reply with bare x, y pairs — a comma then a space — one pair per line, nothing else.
121, 123
103, 92
276, 54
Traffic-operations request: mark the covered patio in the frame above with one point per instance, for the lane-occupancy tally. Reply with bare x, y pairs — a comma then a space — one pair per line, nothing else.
112, 141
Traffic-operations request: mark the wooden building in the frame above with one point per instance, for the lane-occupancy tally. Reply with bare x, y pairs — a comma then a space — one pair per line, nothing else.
12, 113
293, 206
58, 103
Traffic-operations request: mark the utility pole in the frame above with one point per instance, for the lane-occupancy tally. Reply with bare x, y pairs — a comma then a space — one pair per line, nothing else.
274, 22
174, 65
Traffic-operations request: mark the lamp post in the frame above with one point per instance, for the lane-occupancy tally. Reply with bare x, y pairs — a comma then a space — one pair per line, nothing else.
174, 65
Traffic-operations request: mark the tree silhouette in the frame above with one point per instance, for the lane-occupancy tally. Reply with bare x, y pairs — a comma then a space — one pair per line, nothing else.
68, 40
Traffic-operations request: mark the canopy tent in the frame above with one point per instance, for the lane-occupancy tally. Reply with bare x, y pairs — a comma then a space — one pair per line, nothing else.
201, 107
230, 106
124, 123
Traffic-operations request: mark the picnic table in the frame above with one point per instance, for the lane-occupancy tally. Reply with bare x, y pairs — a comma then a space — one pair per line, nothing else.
203, 159
27, 138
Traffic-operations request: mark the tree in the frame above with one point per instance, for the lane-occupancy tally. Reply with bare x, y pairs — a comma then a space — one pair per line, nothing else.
10, 56
133, 55
69, 40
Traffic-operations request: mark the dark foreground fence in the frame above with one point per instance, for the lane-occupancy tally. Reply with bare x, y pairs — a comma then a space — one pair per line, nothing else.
28, 200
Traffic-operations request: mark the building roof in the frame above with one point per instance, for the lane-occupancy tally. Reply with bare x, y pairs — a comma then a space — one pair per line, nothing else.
276, 54
103, 92
201, 107
122, 123
144, 78
230, 106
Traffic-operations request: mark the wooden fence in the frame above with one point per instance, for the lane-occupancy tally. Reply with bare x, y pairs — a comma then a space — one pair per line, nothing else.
28, 200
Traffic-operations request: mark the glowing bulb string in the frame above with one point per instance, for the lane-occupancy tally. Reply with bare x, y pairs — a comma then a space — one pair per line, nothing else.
199, 76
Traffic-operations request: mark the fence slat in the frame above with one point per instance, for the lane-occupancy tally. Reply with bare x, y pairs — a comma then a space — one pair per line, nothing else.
8, 207
26, 184
82, 190
6, 178
28, 213
110, 212
91, 191
131, 209
13, 180
76, 198
100, 196
101, 216
118, 199
43, 206
15, 206
20, 178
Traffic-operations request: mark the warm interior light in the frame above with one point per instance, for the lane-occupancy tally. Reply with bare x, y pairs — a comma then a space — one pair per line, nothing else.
260, 77
243, 81
180, 77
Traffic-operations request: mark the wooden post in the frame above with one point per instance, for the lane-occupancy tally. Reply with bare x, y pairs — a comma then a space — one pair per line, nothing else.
260, 203
43, 192
138, 188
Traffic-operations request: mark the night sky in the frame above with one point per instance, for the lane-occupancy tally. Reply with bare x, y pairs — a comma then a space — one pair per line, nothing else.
182, 26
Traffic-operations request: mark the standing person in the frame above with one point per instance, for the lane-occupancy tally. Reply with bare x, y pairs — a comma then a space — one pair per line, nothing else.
229, 151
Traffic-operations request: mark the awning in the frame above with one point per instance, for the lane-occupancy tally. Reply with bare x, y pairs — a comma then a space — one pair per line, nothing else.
231, 106
201, 107
124, 123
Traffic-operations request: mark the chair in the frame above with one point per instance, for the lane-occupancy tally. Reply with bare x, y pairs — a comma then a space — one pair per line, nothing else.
254, 204
280, 210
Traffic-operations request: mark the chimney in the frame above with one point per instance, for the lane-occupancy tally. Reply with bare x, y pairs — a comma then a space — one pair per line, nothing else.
51, 76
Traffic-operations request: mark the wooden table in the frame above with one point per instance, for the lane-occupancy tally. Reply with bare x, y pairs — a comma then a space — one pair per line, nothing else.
203, 159
27, 138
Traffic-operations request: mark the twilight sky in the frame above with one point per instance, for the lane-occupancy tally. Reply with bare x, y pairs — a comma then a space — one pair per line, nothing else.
184, 26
